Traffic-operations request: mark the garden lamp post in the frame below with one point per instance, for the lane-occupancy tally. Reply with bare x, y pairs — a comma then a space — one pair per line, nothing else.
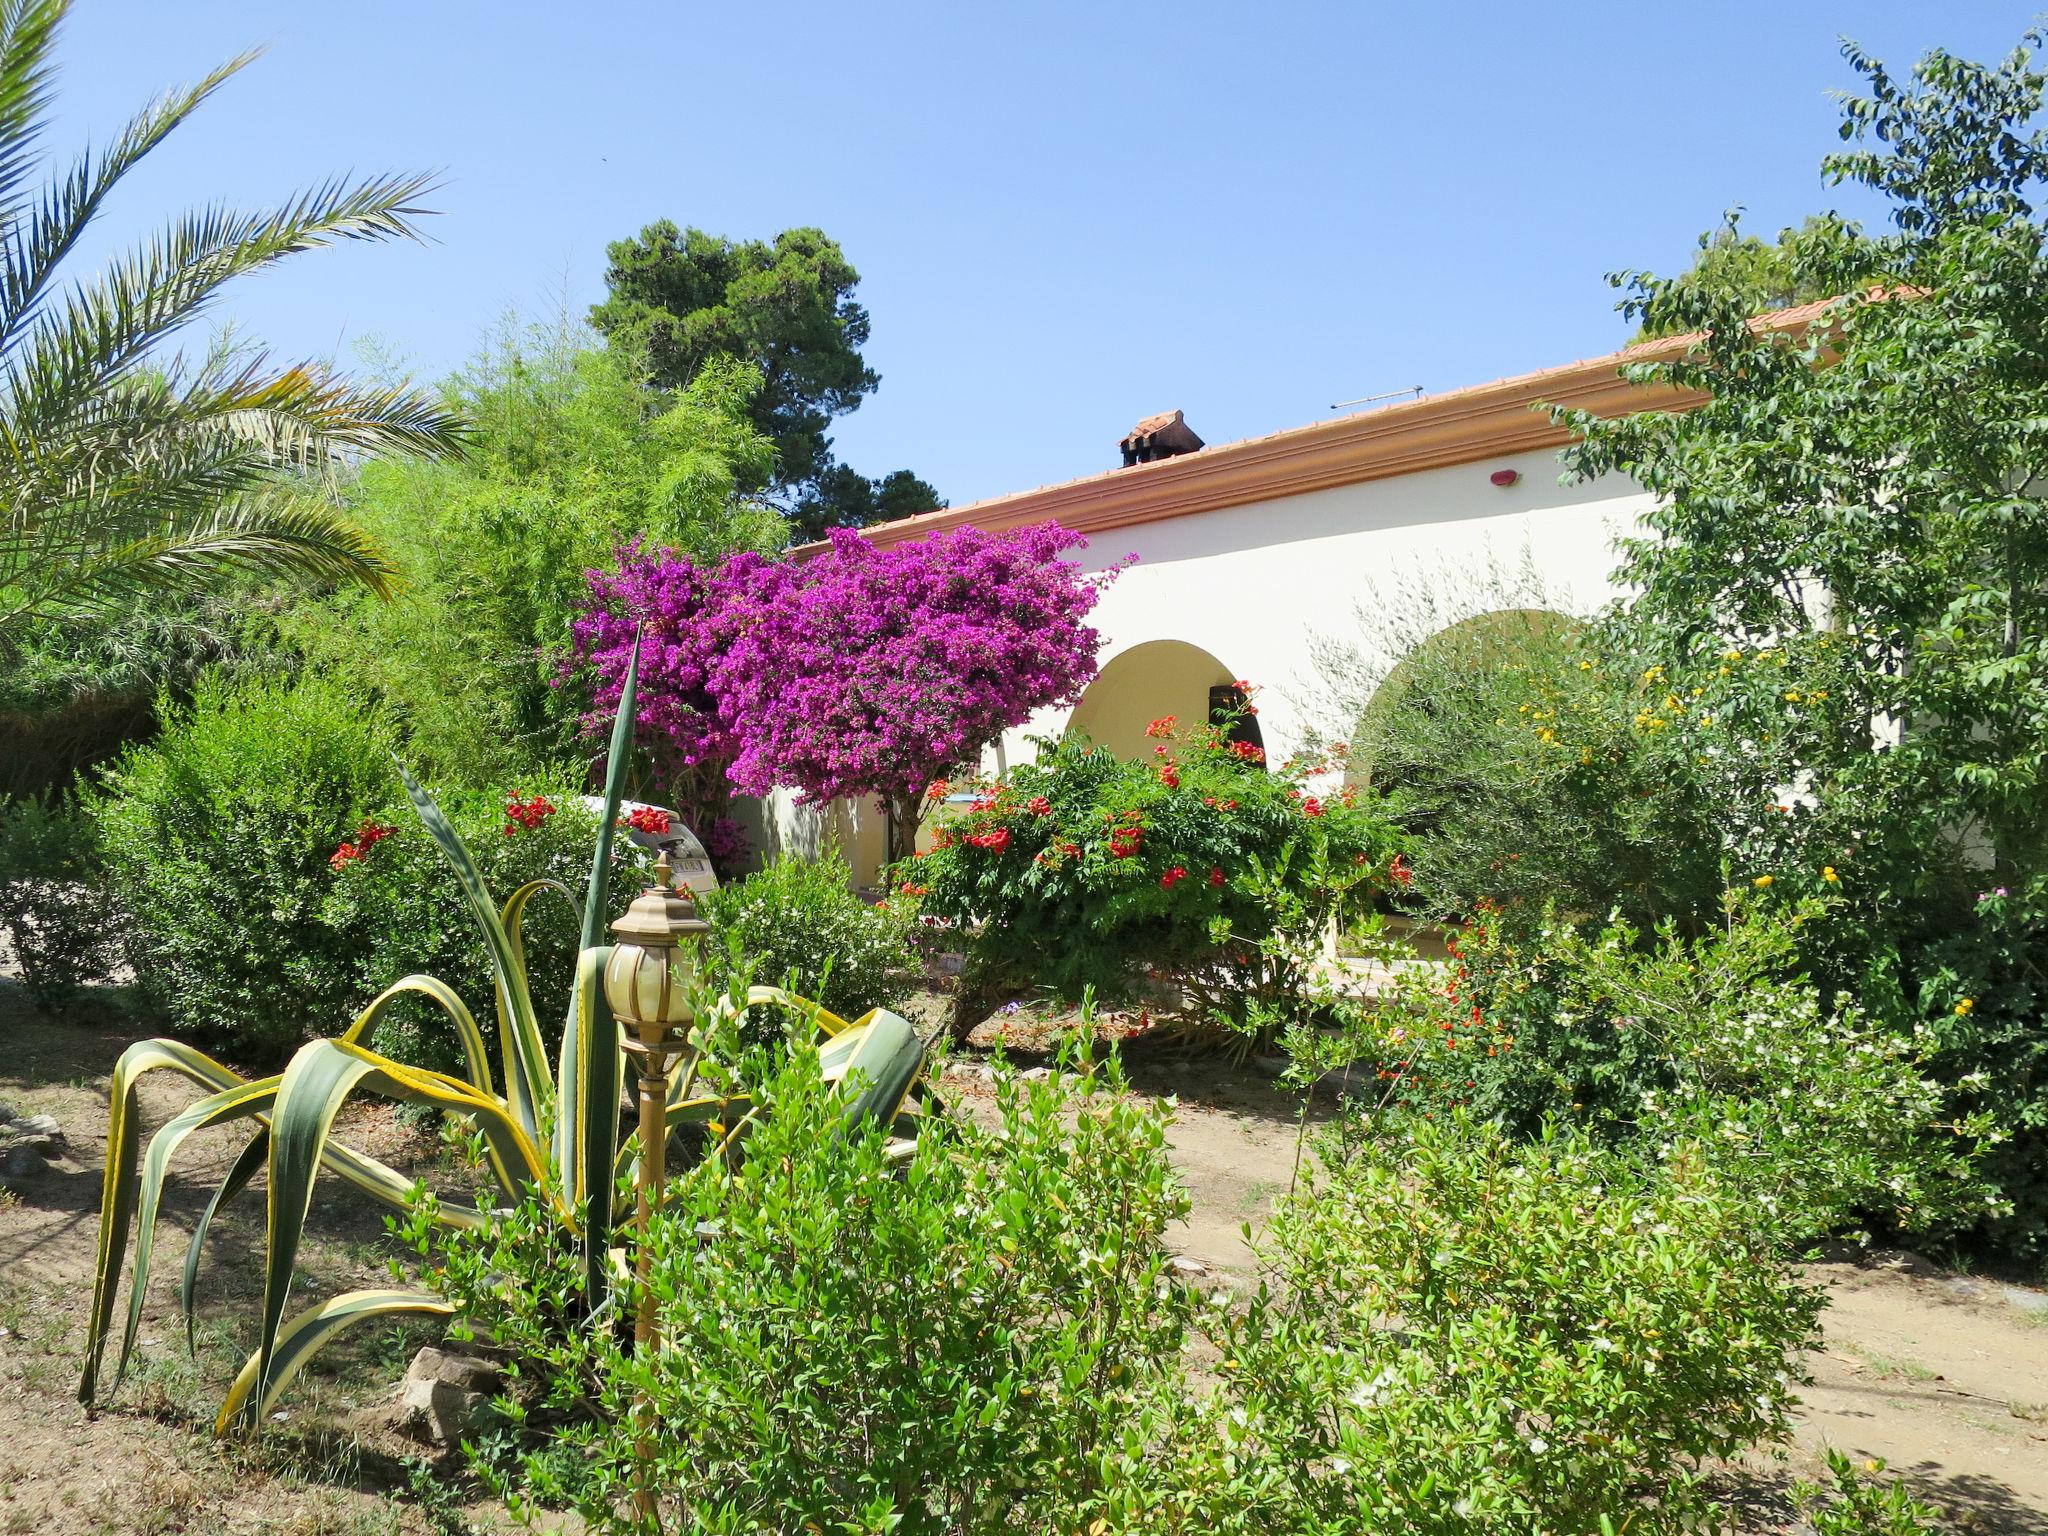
647, 983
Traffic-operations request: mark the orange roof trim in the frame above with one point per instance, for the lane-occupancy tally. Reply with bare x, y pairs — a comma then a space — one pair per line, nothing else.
1459, 426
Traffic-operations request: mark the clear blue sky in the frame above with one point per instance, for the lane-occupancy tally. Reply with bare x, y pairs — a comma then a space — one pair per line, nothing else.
1065, 216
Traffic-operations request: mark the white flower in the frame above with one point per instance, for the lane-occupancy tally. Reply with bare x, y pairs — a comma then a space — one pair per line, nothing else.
1538, 1445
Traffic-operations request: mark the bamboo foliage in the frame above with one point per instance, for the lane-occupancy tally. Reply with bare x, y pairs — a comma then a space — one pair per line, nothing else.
554, 1136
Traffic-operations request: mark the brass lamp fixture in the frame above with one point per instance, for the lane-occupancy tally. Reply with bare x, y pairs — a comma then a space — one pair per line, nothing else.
647, 983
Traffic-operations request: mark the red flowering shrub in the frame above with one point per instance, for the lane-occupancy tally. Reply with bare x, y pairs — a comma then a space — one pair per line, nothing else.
1080, 869
651, 819
528, 813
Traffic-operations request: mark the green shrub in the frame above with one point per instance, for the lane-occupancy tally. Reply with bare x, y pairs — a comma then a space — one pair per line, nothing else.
275, 879
53, 915
1462, 1333
1081, 870
217, 839
1978, 986
1850, 1505
396, 909
798, 923
1819, 1113
947, 1344
1532, 762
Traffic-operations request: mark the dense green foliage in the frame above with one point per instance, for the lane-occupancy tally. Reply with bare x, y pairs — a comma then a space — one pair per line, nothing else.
217, 839
1820, 1114
949, 1343
133, 467
684, 300
1573, 1339
572, 459
248, 928
799, 924
1531, 767
1845, 561
1081, 870
53, 922
1827, 680
1576, 1335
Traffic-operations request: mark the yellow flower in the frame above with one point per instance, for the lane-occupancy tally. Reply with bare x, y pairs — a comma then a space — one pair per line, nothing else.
1792, 697
1762, 881
1965, 1006
1827, 873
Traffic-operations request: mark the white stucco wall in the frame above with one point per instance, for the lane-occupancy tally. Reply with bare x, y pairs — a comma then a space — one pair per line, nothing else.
1253, 585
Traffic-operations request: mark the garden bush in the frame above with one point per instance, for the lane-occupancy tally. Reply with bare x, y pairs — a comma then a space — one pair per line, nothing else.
217, 839
1081, 870
53, 920
394, 908
948, 1344
274, 877
1533, 765
798, 923
1461, 1332
1819, 1112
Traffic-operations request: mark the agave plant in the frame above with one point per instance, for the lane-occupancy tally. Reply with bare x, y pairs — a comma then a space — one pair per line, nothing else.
554, 1135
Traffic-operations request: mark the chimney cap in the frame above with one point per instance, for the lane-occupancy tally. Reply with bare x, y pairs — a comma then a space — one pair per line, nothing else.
1164, 436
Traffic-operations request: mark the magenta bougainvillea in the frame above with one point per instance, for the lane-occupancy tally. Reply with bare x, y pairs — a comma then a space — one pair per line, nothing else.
863, 671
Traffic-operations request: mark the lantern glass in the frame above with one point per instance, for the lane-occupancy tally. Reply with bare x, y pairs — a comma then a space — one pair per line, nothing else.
649, 984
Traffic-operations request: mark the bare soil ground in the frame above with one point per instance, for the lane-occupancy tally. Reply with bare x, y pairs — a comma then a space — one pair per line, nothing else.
1945, 1376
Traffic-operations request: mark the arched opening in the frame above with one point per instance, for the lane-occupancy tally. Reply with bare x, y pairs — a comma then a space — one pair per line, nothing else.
1478, 644
1424, 708
1157, 678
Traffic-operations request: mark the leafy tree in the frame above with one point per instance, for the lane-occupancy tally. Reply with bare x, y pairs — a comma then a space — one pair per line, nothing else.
845, 498
683, 299
1848, 560
131, 468
572, 458
865, 671
1758, 274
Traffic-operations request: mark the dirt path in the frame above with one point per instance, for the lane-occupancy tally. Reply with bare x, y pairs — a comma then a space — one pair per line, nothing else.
1944, 1376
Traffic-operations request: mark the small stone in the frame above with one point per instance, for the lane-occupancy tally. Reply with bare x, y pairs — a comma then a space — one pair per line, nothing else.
37, 1125
1903, 1261
1035, 1074
443, 1391
1187, 1268
22, 1160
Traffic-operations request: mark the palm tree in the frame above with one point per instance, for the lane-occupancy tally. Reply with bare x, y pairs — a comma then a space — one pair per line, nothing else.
124, 465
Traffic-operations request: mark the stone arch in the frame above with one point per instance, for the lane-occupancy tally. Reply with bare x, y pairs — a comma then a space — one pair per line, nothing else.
1151, 679
1485, 639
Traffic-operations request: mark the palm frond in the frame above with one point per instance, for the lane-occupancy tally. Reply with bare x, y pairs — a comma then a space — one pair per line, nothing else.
36, 241
28, 29
279, 530
110, 325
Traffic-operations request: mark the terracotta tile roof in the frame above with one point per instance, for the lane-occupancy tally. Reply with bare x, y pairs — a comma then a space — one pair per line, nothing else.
1476, 421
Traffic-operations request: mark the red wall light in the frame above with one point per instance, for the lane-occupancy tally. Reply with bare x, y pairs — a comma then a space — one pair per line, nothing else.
1505, 477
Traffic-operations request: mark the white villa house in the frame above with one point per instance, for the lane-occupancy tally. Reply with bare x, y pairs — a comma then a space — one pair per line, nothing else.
1247, 552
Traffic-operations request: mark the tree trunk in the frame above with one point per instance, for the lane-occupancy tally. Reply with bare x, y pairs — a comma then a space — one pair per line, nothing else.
902, 811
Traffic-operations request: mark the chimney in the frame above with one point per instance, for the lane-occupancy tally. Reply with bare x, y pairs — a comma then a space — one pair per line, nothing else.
1164, 436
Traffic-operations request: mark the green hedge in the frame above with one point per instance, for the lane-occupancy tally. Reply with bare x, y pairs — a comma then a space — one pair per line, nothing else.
246, 933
